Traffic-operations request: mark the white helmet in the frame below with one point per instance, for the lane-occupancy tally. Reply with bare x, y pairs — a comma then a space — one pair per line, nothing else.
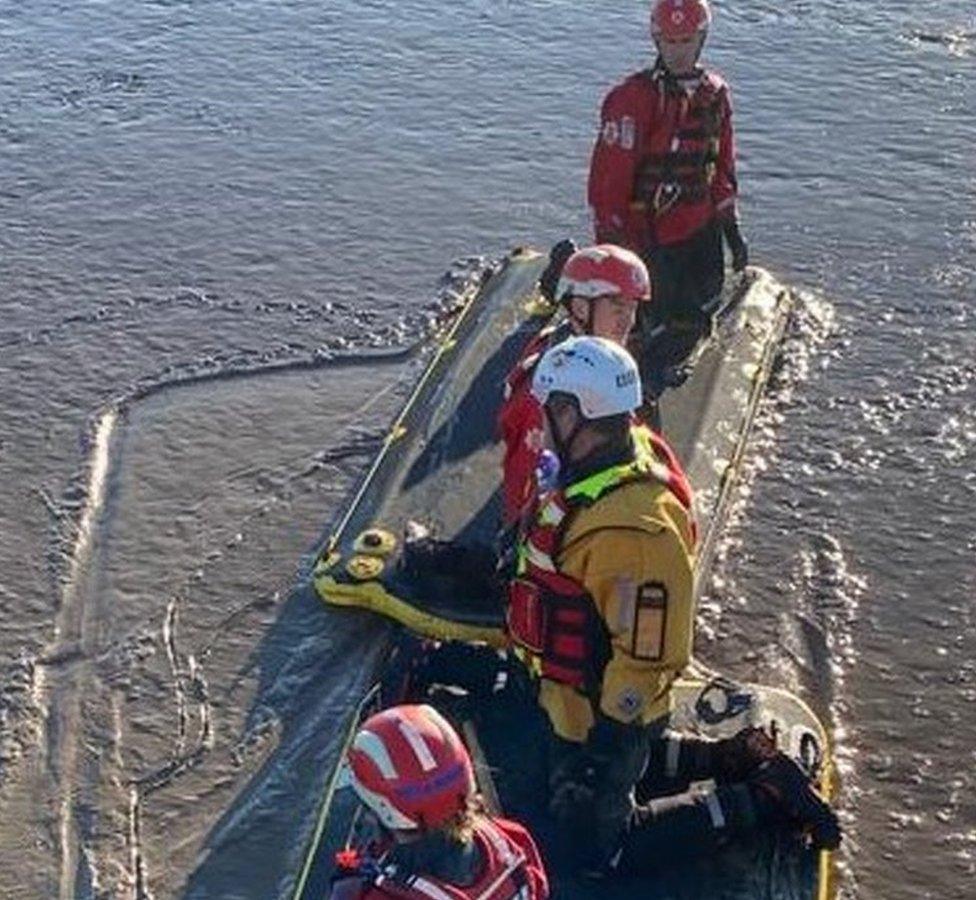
599, 373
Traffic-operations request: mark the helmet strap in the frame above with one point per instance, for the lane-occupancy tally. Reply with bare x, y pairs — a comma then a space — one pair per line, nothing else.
563, 445
584, 324
659, 64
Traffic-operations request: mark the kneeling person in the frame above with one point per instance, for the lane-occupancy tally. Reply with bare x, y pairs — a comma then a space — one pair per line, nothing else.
601, 610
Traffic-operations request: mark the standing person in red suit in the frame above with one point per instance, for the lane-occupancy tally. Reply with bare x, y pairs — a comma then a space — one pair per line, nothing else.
413, 773
662, 176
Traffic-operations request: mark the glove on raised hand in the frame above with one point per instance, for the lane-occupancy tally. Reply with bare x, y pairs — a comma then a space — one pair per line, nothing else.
549, 280
737, 243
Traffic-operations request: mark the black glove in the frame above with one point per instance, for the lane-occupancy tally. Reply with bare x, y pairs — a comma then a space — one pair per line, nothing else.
736, 758
549, 280
783, 784
737, 244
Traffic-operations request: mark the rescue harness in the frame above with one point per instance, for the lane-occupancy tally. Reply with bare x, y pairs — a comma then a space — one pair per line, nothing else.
681, 162
503, 874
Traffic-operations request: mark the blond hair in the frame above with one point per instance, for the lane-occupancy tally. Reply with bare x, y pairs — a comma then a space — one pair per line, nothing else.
461, 827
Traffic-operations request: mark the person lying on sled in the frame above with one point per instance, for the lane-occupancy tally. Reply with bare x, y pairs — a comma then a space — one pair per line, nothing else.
410, 768
600, 288
662, 176
601, 611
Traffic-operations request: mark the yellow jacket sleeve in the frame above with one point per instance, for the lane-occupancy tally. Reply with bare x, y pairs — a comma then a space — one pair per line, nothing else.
642, 585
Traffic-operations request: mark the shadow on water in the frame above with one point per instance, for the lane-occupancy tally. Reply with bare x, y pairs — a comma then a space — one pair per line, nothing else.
444, 445
314, 666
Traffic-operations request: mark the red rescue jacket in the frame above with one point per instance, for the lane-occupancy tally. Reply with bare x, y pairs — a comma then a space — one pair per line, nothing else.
664, 162
513, 870
520, 425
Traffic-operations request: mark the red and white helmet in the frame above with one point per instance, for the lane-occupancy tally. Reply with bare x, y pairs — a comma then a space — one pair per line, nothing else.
408, 765
678, 20
599, 373
604, 270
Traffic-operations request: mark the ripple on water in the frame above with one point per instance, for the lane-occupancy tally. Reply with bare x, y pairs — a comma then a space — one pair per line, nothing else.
958, 42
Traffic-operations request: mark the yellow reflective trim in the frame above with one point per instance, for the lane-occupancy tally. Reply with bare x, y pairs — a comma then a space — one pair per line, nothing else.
596, 485
551, 514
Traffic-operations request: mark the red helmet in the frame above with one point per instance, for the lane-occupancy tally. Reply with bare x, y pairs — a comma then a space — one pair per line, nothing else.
678, 20
408, 765
604, 270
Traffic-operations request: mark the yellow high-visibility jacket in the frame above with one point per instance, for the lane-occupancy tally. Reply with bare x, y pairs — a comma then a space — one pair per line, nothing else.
633, 550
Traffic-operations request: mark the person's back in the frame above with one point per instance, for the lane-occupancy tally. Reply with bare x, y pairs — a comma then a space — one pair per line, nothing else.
498, 860
601, 610
632, 549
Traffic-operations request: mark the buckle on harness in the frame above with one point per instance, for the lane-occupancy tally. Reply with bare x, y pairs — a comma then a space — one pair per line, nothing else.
526, 616
666, 196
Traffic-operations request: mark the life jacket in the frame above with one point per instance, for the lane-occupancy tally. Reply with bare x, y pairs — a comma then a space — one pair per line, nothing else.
523, 369
505, 873
551, 618
674, 475
681, 151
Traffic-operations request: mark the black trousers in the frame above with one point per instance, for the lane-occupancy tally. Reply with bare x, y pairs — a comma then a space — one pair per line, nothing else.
620, 805
637, 814
686, 278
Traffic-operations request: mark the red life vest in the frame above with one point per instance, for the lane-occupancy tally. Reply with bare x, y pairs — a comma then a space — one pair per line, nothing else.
512, 871
551, 618
663, 166
680, 155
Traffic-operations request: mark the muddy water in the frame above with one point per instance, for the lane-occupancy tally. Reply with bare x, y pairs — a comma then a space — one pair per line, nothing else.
196, 195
